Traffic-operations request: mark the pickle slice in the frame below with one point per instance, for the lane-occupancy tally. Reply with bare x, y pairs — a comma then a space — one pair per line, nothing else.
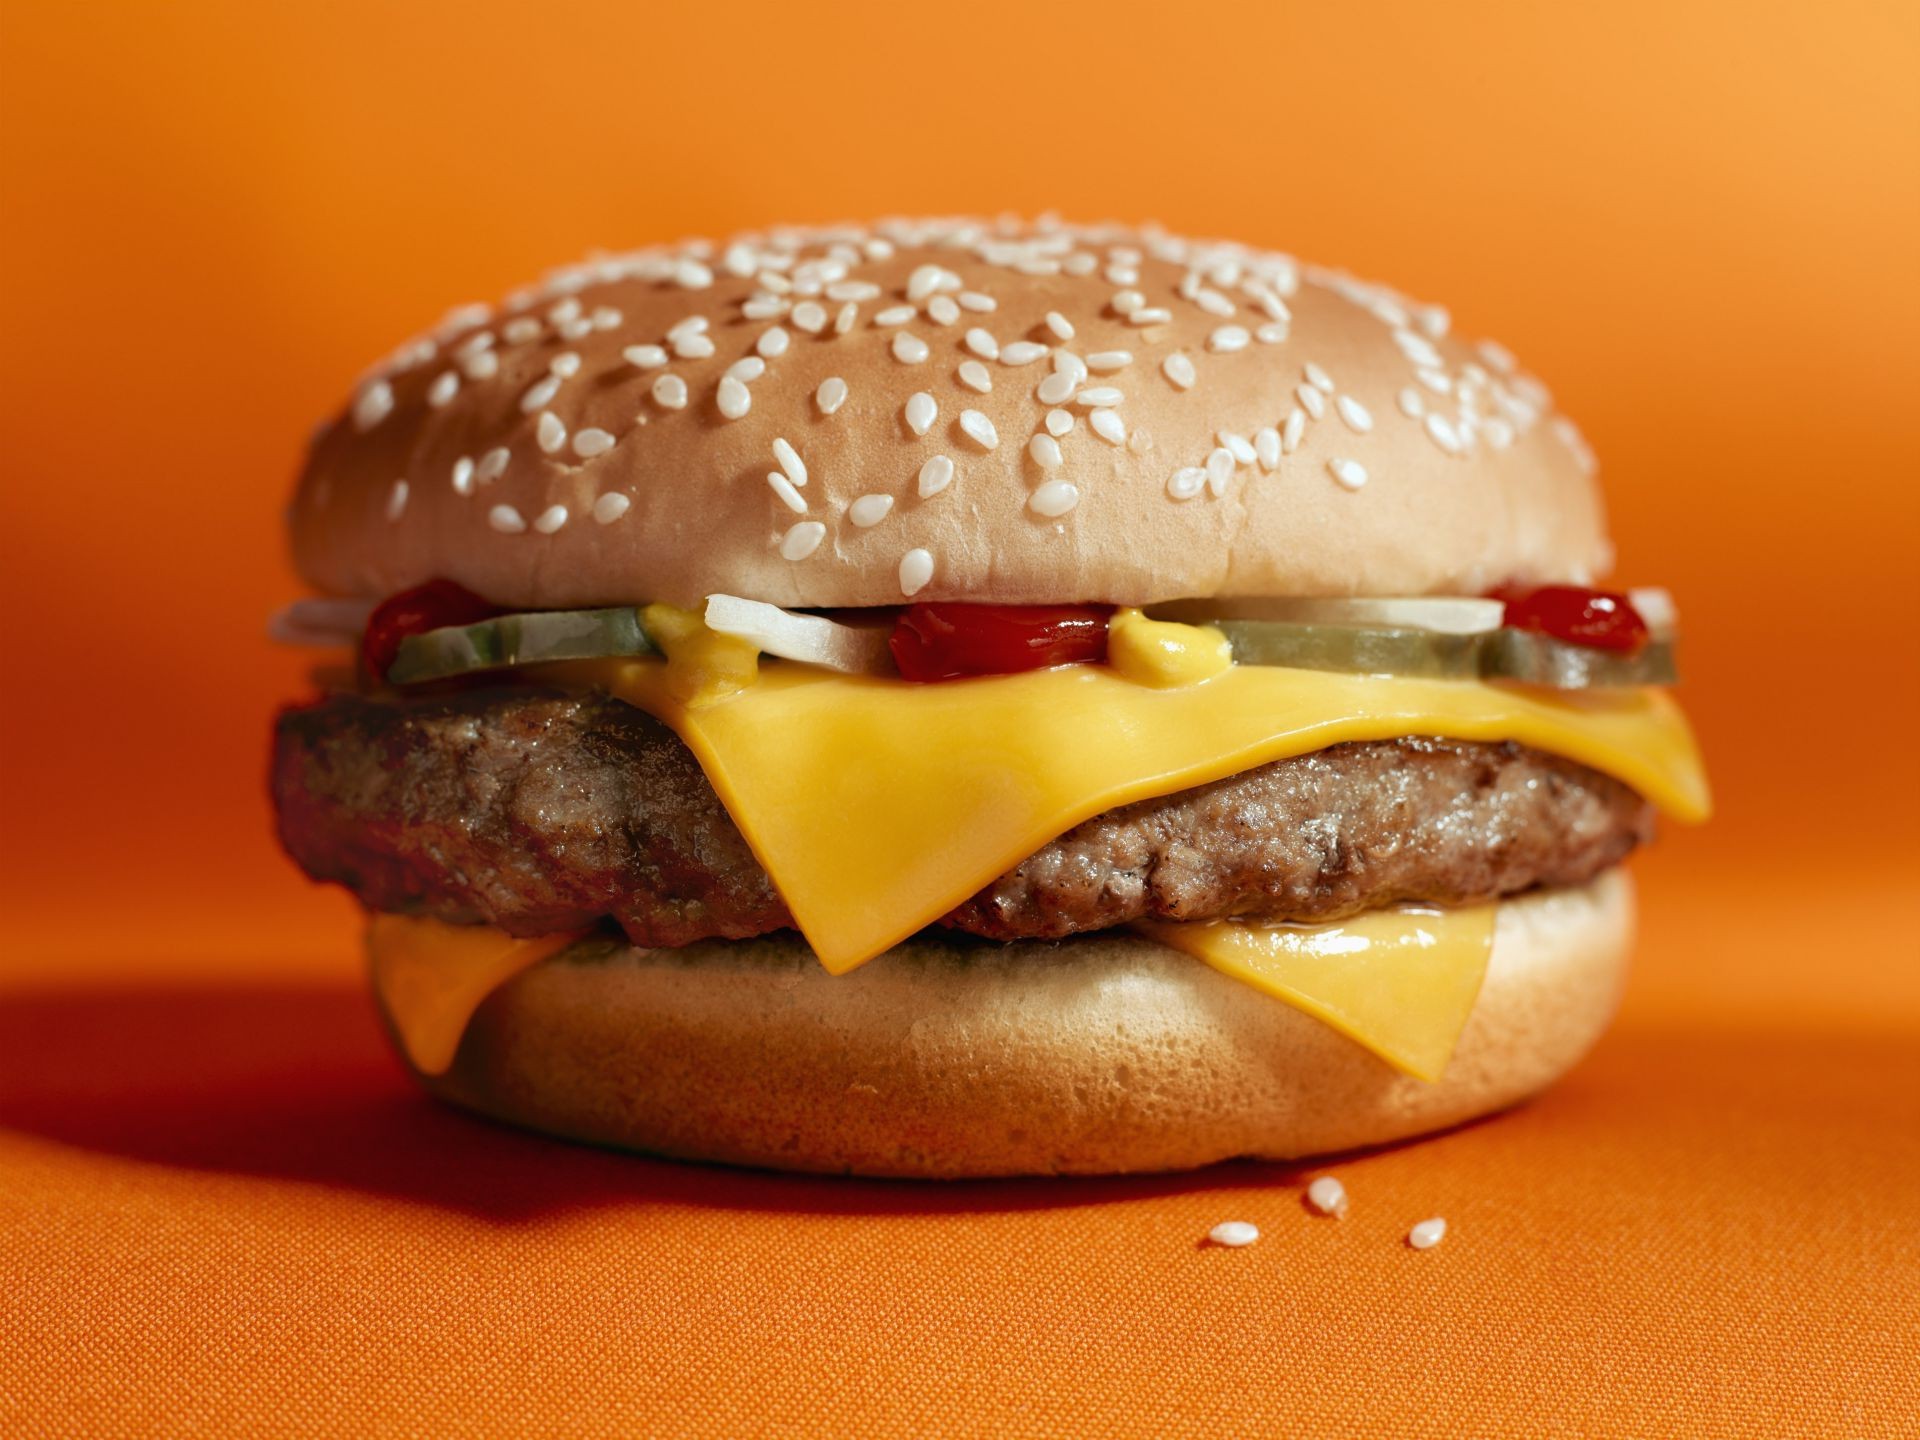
525, 639
1517, 655
1534, 659
1363, 651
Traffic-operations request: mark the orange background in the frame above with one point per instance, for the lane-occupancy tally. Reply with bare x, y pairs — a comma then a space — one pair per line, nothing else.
1698, 222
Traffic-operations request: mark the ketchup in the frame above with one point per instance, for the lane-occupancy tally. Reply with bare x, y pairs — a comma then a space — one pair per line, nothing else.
431, 606
1602, 619
947, 641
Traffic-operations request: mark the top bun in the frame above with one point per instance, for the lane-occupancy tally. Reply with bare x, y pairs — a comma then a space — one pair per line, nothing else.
1129, 417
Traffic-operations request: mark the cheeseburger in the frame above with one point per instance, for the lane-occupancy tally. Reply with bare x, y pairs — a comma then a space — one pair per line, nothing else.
953, 698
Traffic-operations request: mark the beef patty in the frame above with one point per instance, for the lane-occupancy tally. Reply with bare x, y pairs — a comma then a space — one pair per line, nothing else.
538, 811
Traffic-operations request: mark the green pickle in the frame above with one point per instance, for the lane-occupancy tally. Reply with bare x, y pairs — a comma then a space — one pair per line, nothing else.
526, 639
1517, 655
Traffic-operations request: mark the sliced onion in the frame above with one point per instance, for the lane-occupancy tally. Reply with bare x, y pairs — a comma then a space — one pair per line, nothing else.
810, 639
1657, 609
320, 623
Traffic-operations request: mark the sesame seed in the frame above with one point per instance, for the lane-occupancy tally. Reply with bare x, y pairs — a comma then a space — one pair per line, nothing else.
646, 357
605, 317
869, 510
1108, 425
1266, 448
1150, 315
1065, 362
692, 275
493, 464
670, 392
463, 476
922, 411
942, 310
565, 310
976, 376
1059, 422
1498, 356
853, 290
1328, 1196
1186, 482
980, 304
831, 395
1427, 1234
1311, 400
982, 343
1059, 325
789, 497
1056, 389
520, 331
1229, 338
733, 398
935, 475
540, 394
1233, 1234
1179, 369
916, 569
693, 347
810, 317
397, 500
1435, 380
1102, 395
1219, 470
802, 540
1411, 405
764, 307
1125, 302
1021, 352
506, 520
372, 405
1443, 434
924, 281
773, 342
1318, 378
1498, 432
445, 386
979, 429
591, 442
551, 519
610, 507
483, 366
566, 364
551, 432
747, 369
1359, 419
1239, 445
909, 349
1055, 498
1045, 451
1105, 361
1293, 431
1271, 333
895, 315
1350, 473
789, 460
844, 321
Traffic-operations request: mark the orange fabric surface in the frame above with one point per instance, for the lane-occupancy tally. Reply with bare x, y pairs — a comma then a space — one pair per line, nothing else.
221, 1209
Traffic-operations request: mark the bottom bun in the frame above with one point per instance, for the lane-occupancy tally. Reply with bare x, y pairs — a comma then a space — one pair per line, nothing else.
950, 1057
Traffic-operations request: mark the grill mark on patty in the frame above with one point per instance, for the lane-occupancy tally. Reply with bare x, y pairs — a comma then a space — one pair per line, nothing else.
538, 811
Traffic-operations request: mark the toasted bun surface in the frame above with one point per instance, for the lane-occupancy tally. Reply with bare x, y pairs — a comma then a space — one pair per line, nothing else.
1274, 429
1104, 1054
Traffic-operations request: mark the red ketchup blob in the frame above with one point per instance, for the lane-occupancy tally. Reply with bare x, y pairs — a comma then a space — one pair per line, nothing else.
426, 607
1602, 619
945, 641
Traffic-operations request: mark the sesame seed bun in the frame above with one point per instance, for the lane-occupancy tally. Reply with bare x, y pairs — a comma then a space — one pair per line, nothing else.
944, 1058
1273, 429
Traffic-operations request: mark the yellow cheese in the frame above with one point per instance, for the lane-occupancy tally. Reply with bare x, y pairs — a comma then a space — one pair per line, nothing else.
877, 805
1400, 982
431, 977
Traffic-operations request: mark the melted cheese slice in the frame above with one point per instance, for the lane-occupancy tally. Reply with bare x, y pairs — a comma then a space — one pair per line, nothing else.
877, 805
431, 977
1399, 982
